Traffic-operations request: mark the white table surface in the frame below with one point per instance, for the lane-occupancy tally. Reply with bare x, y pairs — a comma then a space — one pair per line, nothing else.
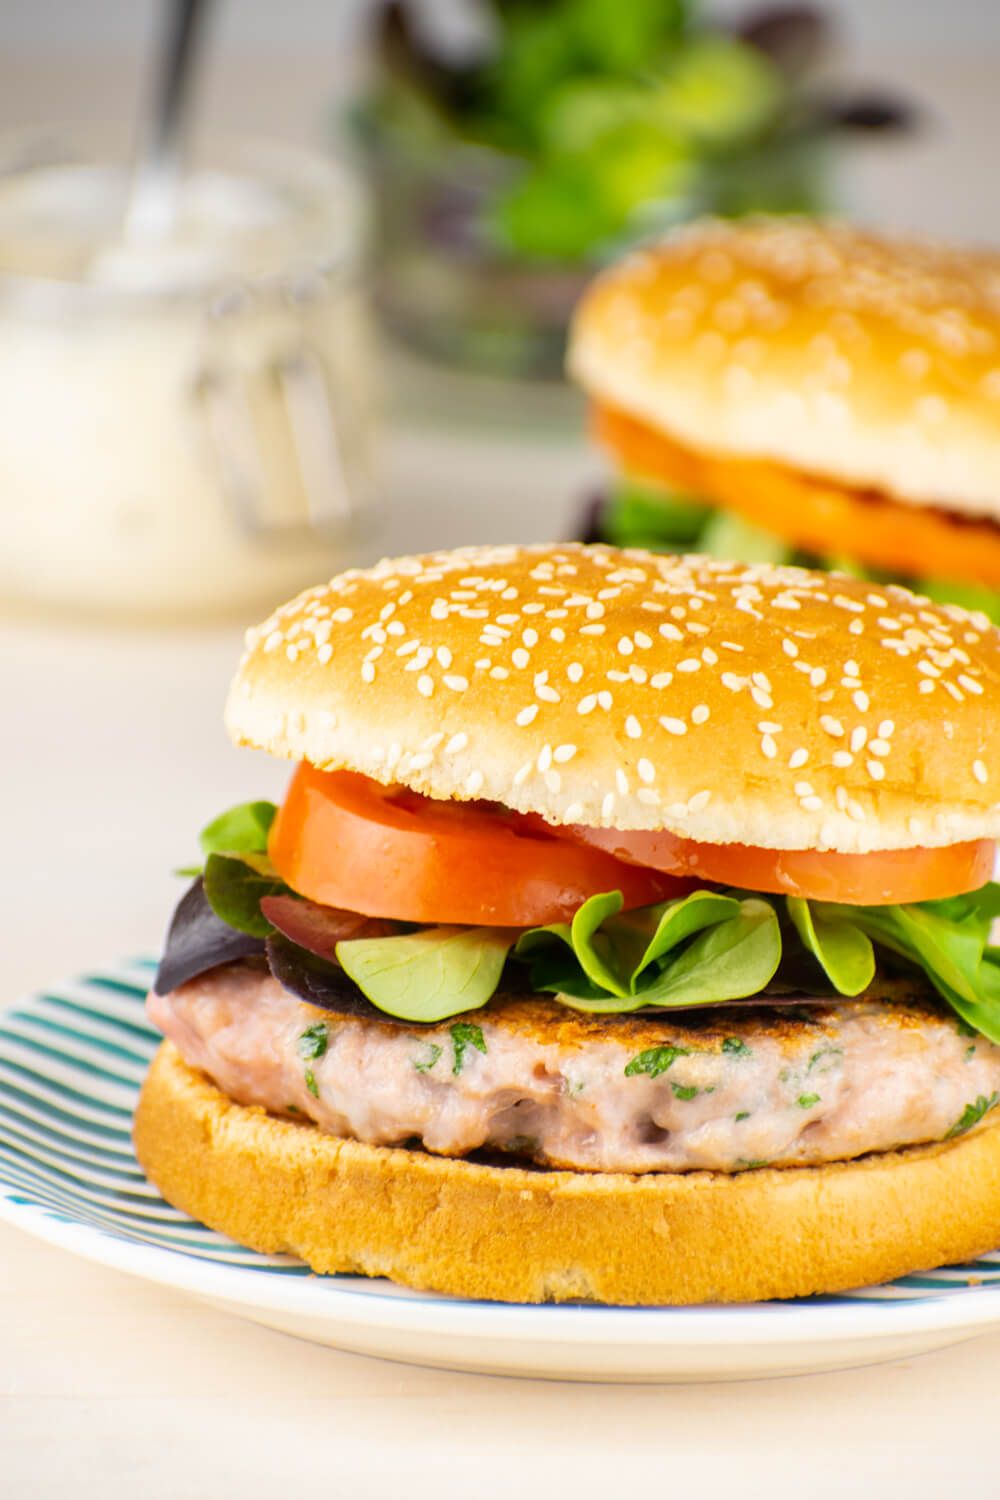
113, 755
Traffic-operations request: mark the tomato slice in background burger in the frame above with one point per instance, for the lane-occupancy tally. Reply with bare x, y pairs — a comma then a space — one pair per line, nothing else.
887, 878
346, 841
816, 514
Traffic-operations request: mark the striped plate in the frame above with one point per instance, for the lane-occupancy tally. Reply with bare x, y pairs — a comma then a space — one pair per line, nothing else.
71, 1061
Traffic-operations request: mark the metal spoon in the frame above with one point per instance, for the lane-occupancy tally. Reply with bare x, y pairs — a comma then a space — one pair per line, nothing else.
152, 205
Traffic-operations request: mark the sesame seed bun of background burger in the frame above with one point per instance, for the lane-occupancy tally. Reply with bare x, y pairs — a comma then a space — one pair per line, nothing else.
752, 742
836, 393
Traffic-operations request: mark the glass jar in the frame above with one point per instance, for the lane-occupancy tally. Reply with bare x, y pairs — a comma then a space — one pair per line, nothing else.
185, 422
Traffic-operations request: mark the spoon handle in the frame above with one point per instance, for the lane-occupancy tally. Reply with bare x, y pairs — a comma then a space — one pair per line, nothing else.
153, 200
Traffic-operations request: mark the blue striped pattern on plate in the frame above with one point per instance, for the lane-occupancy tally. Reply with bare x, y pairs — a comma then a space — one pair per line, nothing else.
72, 1058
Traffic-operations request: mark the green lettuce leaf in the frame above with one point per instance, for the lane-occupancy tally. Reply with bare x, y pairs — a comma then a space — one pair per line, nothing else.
949, 941
727, 961
235, 885
702, 947
592, 949
239, 830
428, 975
844, 952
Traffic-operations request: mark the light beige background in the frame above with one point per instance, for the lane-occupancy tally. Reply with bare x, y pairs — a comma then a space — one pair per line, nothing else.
112, 754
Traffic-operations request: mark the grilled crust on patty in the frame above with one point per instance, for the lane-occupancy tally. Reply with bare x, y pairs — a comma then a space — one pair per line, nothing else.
510, 1234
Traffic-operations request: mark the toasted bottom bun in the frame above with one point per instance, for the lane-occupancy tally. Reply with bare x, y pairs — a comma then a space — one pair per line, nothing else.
517, 1235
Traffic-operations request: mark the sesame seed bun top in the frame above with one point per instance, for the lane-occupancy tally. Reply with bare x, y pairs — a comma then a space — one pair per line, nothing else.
727, 703
872, 362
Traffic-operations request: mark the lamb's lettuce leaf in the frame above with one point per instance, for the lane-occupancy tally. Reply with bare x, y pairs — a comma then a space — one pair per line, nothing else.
950, 941
239, 830
430, 974
702, 948
235, 885
840, 947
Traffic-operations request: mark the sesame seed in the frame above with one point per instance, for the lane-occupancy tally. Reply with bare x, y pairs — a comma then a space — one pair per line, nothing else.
608, 805
455, 682
642, 640
674, 726
789, 647
474, 782
553, 782
699, 801
574, 812
574, 671
769, 746
625, 646
563, 753
544, 758
689, 664
861, 701
798, 758
875, 769
970, 684
817, 676
647, 771
831, 725
766, 727
980, 772
604, 700
456, 743
661, 680
879, 747
444, 656
633, 728
842, 759
803, 789
621, 782
649, 795
927, 686
520, 657
761, 698
367, 671
526, 715
425, 685
858, 738
885, 729
324, 654
812, 804
529, 637
700, 713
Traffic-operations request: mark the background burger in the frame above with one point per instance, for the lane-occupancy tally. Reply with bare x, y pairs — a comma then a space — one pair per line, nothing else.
624, 934
794, 391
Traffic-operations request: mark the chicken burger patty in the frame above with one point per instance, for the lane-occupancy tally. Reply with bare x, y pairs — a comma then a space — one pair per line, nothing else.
725, 1091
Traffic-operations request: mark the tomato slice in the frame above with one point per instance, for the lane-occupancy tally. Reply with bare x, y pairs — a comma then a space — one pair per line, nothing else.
888, 878
815, 514
346, 841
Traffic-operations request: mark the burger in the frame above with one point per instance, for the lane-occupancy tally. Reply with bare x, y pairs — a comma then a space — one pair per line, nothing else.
624, 934
805, 392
